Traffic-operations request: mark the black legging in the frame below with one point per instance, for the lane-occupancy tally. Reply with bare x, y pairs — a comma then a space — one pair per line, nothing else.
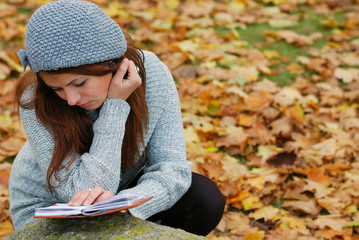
198, 211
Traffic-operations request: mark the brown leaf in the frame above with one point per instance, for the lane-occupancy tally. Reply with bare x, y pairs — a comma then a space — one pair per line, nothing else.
213, 166
283, 158
333, 221
237, 138
319, 190
347, 75
258, 100
11, 146
282, 127
7, 10
332, 205
309, 207
5, 169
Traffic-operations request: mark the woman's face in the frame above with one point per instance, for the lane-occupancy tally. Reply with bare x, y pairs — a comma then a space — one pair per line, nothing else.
88, 92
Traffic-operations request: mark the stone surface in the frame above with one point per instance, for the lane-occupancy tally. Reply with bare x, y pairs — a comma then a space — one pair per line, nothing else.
111, 226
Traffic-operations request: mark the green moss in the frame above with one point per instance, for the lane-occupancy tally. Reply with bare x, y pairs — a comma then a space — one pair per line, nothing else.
112, 226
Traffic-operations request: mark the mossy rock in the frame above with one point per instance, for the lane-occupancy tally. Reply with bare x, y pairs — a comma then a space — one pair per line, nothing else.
111, 226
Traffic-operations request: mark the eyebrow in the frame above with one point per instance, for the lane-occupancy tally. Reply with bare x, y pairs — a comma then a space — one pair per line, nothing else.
84, 78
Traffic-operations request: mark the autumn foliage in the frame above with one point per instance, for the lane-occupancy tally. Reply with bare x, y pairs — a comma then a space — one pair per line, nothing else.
284, 154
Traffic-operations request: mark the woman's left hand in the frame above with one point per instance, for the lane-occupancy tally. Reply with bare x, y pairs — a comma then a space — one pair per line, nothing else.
90, 196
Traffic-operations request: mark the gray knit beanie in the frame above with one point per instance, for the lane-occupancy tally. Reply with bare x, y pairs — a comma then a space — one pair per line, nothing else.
70, 33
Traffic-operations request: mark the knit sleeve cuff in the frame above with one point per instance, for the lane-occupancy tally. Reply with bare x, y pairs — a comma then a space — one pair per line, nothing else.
113, 116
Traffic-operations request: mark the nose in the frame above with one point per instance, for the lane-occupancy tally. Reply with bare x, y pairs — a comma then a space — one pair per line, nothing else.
72, 97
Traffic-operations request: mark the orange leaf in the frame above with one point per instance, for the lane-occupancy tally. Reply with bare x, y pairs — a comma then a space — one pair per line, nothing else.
5, 169
245, 120
258, 100
258, 235
6, 228
318, 175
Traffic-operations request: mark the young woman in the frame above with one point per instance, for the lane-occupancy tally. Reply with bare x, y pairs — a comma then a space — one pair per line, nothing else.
102, 117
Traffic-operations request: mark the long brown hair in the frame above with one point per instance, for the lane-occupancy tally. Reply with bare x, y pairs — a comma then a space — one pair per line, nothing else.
71, 127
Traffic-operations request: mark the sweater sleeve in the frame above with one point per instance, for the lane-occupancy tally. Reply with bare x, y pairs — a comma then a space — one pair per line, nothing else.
167, 175
100, 166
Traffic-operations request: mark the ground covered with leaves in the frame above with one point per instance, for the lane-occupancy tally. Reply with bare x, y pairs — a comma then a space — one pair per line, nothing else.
269, 91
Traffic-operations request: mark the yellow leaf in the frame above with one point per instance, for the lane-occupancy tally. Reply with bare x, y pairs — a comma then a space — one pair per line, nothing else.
267, 213
211, 149
351, 209
237, 6
258, 235
188, 46
295, 68
271, 54
172, 4
197, 122
5, 123
258, 182
191, 135
250, 203
297, 113
334, 44
290, 223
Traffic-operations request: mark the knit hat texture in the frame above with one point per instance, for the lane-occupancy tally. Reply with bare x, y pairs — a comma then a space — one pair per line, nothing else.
70, 33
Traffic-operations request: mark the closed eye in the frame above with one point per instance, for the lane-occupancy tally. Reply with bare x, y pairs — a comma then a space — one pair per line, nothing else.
57, 89
80, 84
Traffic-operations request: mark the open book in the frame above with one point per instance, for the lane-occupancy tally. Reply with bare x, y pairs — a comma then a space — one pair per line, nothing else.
115, 204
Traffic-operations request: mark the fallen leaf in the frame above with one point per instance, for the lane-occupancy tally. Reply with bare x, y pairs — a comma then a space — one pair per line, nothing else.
6, 228
347, 75
308, 207
5, 169
319, 190
334, 221
267, 213
258, 235
283, 158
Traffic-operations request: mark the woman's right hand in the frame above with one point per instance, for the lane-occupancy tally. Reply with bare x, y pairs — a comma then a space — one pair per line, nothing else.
120, 87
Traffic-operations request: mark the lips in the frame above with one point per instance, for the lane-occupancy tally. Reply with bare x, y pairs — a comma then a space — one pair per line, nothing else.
84, 105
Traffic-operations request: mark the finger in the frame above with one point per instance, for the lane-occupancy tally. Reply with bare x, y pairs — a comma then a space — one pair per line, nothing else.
79, 197
104, 196
97, 191
132, 70
122, 69
73, 199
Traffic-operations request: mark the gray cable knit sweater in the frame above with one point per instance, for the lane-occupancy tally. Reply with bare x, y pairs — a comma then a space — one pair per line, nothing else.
167, 173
